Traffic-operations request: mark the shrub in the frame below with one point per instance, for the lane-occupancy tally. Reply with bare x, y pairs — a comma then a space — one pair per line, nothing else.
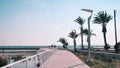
3, 61
117, 47
16, 58
96, 57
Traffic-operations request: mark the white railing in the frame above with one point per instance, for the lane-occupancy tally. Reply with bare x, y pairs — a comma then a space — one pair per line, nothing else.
38, 59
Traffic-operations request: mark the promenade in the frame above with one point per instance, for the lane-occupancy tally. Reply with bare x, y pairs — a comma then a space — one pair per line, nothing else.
64, 59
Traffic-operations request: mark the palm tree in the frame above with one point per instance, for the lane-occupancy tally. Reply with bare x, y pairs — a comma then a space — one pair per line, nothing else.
63, 41
103, 18
74, 35
81, 21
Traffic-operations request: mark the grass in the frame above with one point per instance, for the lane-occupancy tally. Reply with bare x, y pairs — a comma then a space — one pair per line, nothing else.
100, 61
3, 61
16, 58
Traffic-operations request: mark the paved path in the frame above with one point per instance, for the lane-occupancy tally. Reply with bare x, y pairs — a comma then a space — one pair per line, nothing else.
64, 59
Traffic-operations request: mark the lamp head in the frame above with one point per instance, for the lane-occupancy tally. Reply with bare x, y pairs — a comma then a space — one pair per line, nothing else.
87, 10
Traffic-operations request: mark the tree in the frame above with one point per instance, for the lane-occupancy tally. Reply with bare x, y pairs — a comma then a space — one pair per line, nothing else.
63, 41
103, 18
81, 21
74, 35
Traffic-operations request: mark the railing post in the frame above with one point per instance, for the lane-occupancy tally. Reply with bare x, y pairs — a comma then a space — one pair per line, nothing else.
9, 67
26, 65
34, 59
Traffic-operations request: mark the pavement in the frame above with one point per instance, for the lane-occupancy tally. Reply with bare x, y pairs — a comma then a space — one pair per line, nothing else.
63, 59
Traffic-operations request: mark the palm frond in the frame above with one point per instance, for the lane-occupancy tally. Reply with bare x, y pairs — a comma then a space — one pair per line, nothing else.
73, 35
63, 41
80, 20
102, 17
85, 32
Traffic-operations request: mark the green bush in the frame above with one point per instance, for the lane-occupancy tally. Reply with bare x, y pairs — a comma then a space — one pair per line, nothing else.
96, 57
3, 62
117, 47
16, 58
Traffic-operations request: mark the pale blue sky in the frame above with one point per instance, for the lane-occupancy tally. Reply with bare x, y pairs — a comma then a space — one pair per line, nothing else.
43, 22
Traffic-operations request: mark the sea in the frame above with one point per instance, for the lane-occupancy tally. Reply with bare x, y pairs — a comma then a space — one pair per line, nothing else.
45, 46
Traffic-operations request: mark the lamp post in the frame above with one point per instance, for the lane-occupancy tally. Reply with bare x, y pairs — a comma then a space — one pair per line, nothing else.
89, 41
116, 46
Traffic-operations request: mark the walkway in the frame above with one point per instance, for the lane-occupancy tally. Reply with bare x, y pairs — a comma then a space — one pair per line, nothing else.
64, 59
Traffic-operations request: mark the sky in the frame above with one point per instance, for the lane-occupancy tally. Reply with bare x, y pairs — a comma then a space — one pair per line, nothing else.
43, 22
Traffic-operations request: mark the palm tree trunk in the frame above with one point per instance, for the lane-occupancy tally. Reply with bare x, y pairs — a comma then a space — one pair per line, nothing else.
105, 41
82, 37
75, 49
104, 35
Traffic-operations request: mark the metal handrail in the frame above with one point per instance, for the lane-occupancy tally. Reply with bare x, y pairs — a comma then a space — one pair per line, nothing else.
9, 65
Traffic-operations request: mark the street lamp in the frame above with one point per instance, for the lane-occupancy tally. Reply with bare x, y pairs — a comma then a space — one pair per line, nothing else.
89, 41
116, 46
